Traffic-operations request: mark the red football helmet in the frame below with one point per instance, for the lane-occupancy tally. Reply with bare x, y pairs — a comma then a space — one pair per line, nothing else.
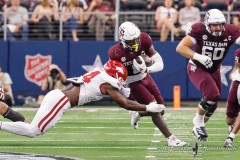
116, 69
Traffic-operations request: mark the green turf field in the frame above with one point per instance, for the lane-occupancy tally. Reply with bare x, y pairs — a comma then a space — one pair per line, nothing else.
106, 134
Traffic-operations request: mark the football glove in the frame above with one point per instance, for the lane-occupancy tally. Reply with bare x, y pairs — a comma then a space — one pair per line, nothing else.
140, 67
154, 107
203, 59
2, 97
125, 91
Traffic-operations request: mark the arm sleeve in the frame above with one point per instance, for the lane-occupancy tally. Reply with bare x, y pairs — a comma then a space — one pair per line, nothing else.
157, 65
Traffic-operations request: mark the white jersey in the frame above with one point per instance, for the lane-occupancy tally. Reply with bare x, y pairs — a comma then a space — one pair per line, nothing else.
90, 85
236, 75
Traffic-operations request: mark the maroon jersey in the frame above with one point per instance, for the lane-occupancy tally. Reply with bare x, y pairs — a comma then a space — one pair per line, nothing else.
214, 47
117, 52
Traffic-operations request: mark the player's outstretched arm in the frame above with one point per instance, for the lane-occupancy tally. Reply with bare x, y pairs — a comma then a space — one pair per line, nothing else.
129, 104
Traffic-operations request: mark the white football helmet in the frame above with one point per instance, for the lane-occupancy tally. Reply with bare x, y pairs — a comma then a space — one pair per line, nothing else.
129, 35
214, 16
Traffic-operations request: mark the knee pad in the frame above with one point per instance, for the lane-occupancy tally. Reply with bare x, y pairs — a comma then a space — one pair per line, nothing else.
210, 112
207, 105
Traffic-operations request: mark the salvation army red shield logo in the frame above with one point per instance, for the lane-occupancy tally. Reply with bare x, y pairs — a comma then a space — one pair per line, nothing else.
36, 68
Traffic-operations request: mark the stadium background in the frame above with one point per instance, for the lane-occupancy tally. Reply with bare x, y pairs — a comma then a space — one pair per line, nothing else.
73, 56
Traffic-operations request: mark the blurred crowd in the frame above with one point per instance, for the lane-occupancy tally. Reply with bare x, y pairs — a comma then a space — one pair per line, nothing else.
70, 19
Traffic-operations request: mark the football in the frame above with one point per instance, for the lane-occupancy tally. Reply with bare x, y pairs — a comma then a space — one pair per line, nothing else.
148, 61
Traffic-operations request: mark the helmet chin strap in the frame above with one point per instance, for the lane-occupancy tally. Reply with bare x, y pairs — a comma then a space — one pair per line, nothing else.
125, 46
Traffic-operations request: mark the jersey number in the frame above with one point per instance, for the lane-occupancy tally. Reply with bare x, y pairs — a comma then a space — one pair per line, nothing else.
88, 76
214, 53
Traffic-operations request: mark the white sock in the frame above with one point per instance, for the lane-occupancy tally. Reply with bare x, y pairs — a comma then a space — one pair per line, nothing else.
171, 137
198, 120
232, 135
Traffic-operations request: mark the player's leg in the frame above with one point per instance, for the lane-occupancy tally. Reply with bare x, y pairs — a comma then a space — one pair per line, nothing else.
216, 76
54, 104
232, 104
233, 119
207, 85
229, 141
146, 97
136, 95
8, 112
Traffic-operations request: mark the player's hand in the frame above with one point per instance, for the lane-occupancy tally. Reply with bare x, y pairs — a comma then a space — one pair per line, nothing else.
125, 91
203, 59
140, 67
154, 107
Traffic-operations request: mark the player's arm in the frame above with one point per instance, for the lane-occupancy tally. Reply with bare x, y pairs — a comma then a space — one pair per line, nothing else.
158, 64
121, 100
129, 104
184, 47
235, 67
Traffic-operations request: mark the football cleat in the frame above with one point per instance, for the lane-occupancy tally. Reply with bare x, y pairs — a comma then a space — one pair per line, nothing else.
200, 133
175, 142
134, 119
228, 143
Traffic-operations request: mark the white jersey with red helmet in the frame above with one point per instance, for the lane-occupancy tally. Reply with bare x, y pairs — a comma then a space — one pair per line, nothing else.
90, 85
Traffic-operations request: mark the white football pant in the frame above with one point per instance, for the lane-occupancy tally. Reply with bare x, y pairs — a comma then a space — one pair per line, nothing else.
54, 104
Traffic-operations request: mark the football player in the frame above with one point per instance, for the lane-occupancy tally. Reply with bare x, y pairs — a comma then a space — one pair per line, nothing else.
133, 43
6, 111
212, 40
92, 86
233, 102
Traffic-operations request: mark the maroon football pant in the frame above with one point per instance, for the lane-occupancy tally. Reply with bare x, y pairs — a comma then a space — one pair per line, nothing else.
209, 84
145, 91
233, 106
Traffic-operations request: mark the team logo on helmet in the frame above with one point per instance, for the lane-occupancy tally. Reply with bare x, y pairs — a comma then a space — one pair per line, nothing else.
36, 68
120, 70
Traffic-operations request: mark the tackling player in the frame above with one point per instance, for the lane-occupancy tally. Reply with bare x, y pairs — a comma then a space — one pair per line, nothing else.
143, 88
212, 40
92, 86
233, 102
8, 112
